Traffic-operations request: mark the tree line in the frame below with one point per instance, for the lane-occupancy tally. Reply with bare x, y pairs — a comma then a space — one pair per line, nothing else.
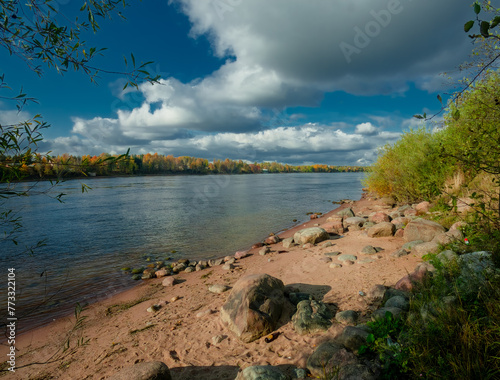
62, 166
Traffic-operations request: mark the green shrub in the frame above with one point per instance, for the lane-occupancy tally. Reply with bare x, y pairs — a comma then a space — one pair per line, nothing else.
454, 339
383, 344
411, 170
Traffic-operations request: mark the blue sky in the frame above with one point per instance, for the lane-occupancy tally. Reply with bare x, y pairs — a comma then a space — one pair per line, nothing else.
295, 81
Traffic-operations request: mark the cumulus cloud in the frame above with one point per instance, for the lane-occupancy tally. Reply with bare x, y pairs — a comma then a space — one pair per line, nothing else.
282, 54
302, 42
366, 129
13, 117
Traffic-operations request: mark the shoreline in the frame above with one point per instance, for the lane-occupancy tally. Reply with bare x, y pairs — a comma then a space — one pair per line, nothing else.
65, 179
178, 328
283, 234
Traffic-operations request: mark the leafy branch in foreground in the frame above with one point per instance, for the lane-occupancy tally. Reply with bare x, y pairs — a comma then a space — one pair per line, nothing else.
487, 45
38, 33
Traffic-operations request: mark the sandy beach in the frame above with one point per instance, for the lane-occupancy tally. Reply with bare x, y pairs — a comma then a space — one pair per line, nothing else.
186, 332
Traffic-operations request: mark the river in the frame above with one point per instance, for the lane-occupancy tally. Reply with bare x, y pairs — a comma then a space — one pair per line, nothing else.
121, 222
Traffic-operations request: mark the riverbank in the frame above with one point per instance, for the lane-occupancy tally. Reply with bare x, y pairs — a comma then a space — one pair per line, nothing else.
186, 332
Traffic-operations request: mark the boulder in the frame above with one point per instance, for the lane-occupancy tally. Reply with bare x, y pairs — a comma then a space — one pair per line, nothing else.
264, 372
254, 306
345, 213
327, 356
410, 213
391, 292
218, 288
421, 272
458, 226
369, 250
335, 224
379, 315
179, 267
423, 207
347, 258
272, 239
228, 266
448, 237
368, 225
348, 317
169, 281
215, 262
336, 218
354, 223
162, 273
352, 337
425, 248
240, 254
144, 371
296, 297
409, 246
376, 293
264, 251
447, 256
357, 372
400, 222
312, 316
400, 253
422, 229
399, 233
404, 208
334, 227
398, 301
288, 243
383, 229
476, 268
311, 235
379, 217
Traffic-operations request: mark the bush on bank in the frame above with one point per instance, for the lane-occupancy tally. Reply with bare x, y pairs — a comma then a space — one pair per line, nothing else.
450, 333
412, 169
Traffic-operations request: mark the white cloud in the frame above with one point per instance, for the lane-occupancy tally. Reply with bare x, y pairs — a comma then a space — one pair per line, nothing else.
281, 54
300, 42
366, 129
13, 117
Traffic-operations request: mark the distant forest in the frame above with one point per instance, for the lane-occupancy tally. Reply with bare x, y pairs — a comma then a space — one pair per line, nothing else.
43, 166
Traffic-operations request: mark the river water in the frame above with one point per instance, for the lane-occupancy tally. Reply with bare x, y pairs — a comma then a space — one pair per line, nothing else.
121, 222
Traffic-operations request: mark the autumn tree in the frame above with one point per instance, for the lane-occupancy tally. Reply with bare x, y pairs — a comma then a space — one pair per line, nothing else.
39, 35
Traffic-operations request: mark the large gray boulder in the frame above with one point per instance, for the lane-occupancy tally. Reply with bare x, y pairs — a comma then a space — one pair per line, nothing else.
352, 337
383, 229
311, 235
425, 248
328, 356
312, 316
422, 229
254, 306
261, 372
476, 269
144, 371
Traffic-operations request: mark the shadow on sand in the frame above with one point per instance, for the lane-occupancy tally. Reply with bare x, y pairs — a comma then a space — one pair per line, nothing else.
216, 373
